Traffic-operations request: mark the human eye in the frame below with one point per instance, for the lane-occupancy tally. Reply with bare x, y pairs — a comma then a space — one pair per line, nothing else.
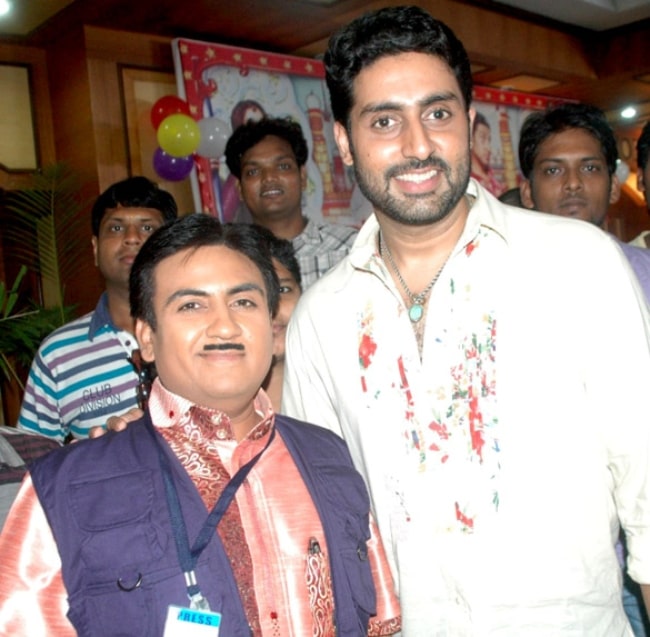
251, 172
439, 114
115, 227
592, 168
149, 228
551, 171
383, 122
245, 303
189, 306
286, 289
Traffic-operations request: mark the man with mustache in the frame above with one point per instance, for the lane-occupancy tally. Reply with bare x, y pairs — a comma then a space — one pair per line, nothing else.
83, 372
268, 157
488, 366
568, 157
211, 510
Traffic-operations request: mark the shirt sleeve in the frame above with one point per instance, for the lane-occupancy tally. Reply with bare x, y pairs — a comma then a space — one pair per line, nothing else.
308, 401
617, 385
388, 620
39, 411
33, 598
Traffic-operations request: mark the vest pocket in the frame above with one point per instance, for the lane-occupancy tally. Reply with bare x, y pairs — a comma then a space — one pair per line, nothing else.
104, 610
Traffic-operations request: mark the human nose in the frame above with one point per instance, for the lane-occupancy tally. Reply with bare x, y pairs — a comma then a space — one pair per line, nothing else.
132, 234
417, 141
268, 173
222, 324
573, 179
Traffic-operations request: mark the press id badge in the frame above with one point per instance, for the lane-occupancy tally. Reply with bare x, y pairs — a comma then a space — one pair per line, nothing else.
188, 622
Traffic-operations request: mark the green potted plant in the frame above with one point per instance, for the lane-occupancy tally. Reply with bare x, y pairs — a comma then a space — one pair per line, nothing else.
43, 234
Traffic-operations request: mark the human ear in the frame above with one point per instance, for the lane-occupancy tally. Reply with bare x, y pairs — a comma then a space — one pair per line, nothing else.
343, 142
144, 335
525, 193
93, 242
614, 190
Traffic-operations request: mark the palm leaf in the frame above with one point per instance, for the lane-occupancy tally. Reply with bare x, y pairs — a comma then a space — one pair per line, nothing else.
44, 227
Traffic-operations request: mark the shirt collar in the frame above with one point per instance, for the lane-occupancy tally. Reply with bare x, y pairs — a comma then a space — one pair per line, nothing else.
309, 234
486, 212
169, 410
101, 317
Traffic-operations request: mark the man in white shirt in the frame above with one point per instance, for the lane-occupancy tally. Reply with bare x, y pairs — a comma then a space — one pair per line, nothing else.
487, 366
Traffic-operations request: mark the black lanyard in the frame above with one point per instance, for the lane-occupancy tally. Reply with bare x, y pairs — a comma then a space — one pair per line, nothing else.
188, 557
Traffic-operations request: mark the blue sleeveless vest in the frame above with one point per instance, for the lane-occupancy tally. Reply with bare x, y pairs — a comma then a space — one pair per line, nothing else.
105, 502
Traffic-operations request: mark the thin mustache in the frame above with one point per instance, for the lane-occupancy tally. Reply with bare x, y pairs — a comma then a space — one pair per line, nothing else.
418, 164
222, 347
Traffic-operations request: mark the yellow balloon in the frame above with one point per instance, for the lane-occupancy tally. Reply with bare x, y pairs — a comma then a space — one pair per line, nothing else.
179, 135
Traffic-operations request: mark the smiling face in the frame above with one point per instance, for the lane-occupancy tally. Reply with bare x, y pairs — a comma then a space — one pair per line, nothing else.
408, 138
122, 231
570, 178
271, 181
289, 294
213, 340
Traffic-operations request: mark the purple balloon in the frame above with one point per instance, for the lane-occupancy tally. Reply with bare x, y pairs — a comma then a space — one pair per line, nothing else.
172, 168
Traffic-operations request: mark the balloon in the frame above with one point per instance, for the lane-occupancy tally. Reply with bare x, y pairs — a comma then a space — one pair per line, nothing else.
172, 168
214, 135
178, 135
166, 106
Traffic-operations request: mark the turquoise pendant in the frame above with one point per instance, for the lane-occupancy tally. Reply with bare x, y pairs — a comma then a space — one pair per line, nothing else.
416, 312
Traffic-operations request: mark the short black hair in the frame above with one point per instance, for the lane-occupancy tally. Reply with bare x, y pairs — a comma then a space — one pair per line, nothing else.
134, 192
556, 119
389, 32
512, 197
643, 148
194, 231
282, 250
252, 133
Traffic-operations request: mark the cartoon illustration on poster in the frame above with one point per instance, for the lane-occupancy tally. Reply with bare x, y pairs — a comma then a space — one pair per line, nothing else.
232, 85
226, 86
495, 136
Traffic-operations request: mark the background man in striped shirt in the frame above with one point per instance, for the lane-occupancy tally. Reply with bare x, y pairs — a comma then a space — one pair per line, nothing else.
82, 372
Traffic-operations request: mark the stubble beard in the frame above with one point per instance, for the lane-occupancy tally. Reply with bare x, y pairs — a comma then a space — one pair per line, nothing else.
415, 210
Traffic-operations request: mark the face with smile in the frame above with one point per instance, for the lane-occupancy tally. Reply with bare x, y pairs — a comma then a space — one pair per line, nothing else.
289, 295
271, 182
122, 232
408, 138
213, 340
570, 178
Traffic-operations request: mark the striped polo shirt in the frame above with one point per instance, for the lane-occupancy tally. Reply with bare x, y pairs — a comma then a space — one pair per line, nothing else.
80, 376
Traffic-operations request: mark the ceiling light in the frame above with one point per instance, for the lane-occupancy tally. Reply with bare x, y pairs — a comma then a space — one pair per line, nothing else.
628, 112
5, 7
